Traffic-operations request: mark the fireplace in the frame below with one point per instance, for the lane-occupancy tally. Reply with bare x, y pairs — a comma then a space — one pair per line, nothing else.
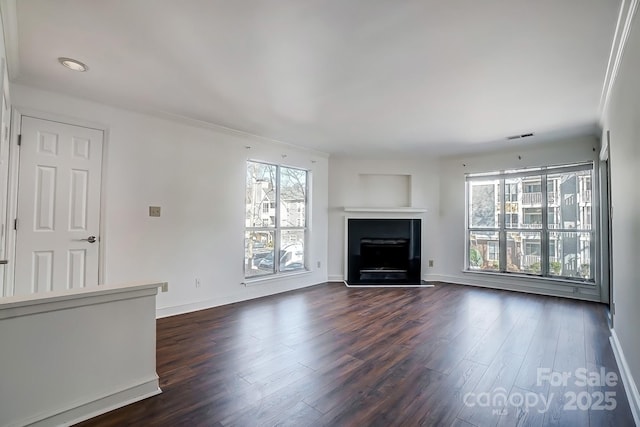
383, 251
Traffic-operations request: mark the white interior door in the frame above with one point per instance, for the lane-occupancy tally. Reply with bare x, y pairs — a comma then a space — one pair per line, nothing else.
58, 207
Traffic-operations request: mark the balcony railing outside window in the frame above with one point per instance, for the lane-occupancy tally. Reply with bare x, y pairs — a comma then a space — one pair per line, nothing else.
531, 198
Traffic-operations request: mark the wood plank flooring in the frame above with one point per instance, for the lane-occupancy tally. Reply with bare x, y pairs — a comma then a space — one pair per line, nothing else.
335, 356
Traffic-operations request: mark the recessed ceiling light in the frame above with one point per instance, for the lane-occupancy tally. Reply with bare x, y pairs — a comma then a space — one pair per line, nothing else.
73, 64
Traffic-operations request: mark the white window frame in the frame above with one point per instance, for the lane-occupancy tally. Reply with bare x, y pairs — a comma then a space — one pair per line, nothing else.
544, 230
277, 229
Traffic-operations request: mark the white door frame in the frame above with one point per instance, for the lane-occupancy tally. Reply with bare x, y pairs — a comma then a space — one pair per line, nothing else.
4, 91
14, 165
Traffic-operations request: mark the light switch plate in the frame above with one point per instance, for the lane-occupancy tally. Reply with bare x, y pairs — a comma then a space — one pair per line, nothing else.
154, 210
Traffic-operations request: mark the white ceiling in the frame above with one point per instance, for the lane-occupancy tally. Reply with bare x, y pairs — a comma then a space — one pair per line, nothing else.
340, 76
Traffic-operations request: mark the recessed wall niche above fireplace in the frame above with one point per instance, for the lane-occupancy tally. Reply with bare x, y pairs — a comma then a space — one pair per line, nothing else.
383, 251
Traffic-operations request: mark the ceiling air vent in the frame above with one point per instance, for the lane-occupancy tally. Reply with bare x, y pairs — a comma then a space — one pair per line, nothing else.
524, 135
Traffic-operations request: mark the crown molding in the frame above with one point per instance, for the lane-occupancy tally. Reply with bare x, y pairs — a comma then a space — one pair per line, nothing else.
9, 14
623, 28
204, 124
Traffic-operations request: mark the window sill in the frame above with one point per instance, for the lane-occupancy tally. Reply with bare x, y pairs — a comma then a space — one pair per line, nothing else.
273, 277
533, 277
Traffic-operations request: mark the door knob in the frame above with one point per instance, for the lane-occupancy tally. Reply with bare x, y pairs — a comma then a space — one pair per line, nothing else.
90, 239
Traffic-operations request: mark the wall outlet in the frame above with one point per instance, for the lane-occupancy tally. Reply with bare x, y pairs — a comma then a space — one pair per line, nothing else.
430, 263
197, 283
165, 287
154, 210
319, 264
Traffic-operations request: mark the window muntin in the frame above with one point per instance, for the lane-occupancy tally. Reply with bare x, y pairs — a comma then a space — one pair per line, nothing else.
547, 226
276, 201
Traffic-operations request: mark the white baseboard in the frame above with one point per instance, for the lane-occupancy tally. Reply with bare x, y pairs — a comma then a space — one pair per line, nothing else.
434, 278
93, 408
336, 278
627, 379
387, 286
527, 286
194, 306
211, 303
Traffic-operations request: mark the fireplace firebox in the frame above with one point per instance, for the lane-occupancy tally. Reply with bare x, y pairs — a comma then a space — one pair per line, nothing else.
383, 251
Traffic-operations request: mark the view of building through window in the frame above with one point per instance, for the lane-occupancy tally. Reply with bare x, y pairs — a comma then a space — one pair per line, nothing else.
546, 228
276, 219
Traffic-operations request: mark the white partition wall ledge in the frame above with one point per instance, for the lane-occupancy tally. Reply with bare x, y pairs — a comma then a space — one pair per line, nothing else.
70, 355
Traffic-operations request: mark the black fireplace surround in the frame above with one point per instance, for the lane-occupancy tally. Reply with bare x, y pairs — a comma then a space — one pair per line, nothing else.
383, 251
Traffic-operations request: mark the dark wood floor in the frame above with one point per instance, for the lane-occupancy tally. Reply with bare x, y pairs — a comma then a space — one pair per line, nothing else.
330, 355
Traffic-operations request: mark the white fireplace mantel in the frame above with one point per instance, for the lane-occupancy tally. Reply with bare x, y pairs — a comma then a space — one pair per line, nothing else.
393, 210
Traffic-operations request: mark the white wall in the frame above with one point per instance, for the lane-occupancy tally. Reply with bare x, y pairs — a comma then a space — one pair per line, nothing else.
452, 208
622, 118
345, 191
197, 176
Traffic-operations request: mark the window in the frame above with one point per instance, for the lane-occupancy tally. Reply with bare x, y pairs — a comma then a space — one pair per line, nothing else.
546, 229
493, 253
511, 192
551, 218
532, 187
532, 217
276, 201
532, 248
512, 220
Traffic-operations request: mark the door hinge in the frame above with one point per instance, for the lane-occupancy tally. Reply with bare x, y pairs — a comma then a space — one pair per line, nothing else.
15, 224
20, 139
613, 308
